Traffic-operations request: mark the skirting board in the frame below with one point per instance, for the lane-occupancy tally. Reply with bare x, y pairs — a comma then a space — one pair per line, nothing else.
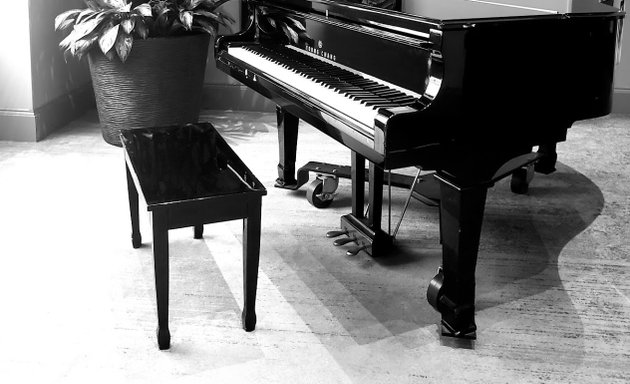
36, 125
18, 125
621, 101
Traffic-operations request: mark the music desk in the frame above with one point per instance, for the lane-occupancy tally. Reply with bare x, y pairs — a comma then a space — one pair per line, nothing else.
188, 176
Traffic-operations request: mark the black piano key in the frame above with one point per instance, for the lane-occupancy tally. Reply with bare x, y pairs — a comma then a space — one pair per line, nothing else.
403, 99
378, 103
350, 84
389, 93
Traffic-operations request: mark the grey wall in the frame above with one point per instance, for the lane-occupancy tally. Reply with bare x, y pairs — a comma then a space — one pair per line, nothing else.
621, 102
39, 91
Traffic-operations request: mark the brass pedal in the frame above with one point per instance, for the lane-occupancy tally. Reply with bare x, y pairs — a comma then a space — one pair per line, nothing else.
355, 250
331, 234
343, 241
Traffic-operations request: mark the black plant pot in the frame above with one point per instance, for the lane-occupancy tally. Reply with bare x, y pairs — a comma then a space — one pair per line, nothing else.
160, 84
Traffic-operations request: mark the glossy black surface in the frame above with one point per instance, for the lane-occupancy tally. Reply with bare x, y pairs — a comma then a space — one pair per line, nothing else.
518, 79
451, 10
194, 162
494, 79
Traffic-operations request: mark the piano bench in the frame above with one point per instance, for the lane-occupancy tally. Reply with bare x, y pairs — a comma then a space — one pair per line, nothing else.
188, 176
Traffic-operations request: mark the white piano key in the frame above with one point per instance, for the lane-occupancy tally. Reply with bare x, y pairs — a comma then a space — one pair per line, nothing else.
324, 94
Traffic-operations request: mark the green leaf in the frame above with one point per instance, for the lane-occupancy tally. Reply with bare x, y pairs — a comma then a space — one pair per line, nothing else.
127, 25
162, 20
68, 40
219, 17
125, 8
186, 17
143, 10
87, 27
115, 3
226, 18
81, 46
92, 4
93, 15
86, 13
108, 39
206, 27
84, 46
292, 23
65, 17
65, 24
194, 4
123, 46
290, 33
176, 26
67, 55
111, 54
141, 28
214, 4
203, 13
163, 11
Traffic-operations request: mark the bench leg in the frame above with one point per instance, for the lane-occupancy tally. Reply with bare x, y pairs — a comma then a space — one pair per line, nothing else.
251, 252
136, 238
160, 260
198, 231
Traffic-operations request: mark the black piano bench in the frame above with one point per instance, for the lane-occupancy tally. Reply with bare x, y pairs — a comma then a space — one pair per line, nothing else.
188, 176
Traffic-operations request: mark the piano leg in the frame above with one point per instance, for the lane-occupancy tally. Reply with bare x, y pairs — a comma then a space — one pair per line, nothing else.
452, 291
365, 231
375, 212
287, 140
547, 163
357, 175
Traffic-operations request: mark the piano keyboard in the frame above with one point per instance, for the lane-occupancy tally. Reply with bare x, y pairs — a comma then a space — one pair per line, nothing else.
357, 96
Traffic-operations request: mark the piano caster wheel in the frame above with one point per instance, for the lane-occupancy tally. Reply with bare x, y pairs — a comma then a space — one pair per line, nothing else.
521, 178
435, 289
315, 195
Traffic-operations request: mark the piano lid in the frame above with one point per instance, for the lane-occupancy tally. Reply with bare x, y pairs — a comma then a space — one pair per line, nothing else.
450, 12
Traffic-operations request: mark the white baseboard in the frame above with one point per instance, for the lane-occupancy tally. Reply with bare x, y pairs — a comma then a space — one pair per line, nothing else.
621, 101
36, 125
18, 125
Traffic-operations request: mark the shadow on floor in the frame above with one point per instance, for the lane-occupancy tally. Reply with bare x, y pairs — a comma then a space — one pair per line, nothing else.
521, 240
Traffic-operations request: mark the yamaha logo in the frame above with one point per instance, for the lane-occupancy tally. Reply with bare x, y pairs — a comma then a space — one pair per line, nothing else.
321, 52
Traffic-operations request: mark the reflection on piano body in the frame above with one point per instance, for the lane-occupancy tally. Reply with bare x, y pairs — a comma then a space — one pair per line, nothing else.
463, 87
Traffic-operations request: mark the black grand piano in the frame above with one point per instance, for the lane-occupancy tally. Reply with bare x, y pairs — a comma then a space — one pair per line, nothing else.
475, 90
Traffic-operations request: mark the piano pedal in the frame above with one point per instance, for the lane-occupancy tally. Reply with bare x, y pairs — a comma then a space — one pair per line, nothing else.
355, 250
344, 240
331, 234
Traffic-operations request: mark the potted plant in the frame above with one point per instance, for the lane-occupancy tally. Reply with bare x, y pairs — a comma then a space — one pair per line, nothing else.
147, 58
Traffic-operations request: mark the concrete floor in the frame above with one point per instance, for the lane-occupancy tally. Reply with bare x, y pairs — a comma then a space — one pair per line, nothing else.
78, 303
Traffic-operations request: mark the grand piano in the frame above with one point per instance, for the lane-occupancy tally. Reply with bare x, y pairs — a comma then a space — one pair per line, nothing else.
474, 90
